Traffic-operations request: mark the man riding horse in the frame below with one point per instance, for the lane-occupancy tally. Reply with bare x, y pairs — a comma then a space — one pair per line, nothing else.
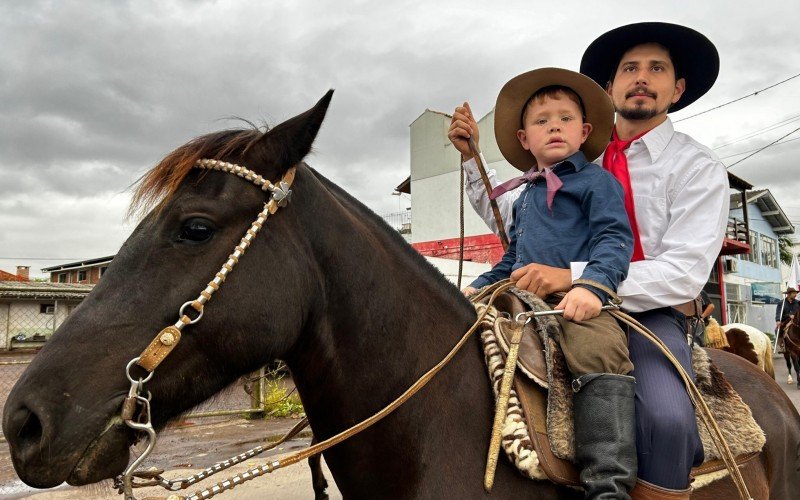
785, 313
677, 204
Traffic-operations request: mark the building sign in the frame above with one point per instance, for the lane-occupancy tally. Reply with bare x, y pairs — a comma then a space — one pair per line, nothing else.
768, 293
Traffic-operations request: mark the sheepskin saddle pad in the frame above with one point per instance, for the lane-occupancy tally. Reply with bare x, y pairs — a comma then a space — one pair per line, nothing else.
538, 435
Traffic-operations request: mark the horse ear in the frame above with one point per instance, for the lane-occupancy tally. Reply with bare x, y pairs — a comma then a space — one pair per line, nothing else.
289, 142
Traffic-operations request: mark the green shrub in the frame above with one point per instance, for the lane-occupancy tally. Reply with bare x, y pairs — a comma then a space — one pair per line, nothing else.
279, 398
280, 403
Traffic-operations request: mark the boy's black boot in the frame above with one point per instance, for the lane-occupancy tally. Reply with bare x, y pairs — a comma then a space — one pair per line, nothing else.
605, 434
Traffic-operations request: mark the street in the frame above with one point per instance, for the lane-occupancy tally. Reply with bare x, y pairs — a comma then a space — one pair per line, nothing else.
225, 439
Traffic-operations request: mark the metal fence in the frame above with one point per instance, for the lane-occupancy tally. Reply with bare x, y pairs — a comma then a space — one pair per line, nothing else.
401, 221
245, 397
29, 323
10, 370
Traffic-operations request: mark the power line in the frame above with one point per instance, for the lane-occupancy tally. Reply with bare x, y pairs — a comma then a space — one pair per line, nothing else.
762, 149
768, 128
739, 99
740, 153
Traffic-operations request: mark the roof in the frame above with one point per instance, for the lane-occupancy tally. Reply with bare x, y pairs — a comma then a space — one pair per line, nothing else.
4, 276
428, 110
77, 265
405, 186
738, 183
43, 290
769, 207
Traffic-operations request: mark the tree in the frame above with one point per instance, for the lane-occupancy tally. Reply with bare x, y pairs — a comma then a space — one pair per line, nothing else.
785, 248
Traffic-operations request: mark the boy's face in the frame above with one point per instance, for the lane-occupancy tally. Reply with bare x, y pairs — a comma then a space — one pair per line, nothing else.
554, 129
644, 84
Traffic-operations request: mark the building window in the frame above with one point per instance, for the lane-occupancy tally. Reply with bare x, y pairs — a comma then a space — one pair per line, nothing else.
103, 270
753, 255
81, 275
62, 278
769, 251
47, 308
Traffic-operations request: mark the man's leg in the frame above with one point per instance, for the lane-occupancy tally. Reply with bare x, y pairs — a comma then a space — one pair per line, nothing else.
667, 441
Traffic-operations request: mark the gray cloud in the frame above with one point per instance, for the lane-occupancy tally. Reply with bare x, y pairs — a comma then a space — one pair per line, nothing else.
94, 93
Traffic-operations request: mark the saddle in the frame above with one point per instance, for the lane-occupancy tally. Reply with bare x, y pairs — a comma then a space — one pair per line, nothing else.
538, 433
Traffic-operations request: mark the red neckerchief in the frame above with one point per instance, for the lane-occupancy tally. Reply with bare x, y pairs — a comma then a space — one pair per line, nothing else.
615, 161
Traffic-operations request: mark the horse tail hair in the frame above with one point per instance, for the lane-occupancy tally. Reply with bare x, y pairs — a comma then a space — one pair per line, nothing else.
715, 336
769, 366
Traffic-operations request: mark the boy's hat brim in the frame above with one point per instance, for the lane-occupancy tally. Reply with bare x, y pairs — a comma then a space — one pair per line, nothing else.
692, 53
516, 93
789, 290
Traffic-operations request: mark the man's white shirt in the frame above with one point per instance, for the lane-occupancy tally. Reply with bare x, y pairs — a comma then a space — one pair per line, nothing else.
681, 197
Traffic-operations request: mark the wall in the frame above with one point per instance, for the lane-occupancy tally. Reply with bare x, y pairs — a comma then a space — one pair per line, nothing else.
435, 177
24, 317
755, 271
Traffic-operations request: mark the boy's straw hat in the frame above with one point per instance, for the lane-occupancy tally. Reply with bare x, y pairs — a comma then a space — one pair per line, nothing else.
693, 55
515, 94
789, 290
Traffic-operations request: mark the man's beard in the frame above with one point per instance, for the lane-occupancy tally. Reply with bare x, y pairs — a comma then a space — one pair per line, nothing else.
636, 114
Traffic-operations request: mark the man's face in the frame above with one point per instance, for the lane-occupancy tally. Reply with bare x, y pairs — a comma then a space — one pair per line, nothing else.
791, 296
644, 84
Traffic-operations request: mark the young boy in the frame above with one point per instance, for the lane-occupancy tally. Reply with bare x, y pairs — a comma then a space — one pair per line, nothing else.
548, 121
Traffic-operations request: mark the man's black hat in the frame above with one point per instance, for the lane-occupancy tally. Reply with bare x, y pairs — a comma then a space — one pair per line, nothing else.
693, 55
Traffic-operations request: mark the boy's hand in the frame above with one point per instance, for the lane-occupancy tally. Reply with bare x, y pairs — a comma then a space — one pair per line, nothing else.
580, 304
462, 127
469, 291
542, 280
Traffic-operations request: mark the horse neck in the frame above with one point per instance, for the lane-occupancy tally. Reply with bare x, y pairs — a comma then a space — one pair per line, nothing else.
387, 317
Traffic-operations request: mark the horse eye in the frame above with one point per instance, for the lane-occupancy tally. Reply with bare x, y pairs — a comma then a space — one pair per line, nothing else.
196, 231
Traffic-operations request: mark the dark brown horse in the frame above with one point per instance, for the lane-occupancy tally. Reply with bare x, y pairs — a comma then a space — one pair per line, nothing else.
354, 311
791, 346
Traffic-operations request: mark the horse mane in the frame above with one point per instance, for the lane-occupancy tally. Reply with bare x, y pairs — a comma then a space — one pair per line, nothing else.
158, 185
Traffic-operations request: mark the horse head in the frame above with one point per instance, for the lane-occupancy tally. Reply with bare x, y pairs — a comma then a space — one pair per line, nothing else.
62, 417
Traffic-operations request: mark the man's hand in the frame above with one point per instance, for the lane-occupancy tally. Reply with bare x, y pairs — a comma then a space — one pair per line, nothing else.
469, 291
462, 127
580, 304
542, 280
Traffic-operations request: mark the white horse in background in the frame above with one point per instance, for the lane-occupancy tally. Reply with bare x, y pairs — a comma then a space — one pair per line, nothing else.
748, 342
743, 340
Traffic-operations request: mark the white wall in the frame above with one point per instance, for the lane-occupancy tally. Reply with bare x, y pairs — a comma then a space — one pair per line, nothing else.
435, 177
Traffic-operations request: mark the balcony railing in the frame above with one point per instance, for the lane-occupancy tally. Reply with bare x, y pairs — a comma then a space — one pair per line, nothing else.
737, 240
401, 221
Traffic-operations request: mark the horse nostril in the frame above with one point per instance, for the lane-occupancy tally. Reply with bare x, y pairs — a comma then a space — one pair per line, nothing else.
29, 429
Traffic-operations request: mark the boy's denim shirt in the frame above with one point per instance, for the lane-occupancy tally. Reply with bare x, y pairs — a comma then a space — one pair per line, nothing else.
588, 223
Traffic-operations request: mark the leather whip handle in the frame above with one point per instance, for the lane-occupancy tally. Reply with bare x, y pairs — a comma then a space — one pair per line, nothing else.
501, 228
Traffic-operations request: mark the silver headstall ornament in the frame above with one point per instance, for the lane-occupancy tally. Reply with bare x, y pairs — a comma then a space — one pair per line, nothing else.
136, 408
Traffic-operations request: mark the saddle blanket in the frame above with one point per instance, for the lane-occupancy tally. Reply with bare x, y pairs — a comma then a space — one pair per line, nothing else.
543, 380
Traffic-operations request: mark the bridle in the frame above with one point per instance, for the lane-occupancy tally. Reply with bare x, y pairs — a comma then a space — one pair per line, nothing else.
136, 407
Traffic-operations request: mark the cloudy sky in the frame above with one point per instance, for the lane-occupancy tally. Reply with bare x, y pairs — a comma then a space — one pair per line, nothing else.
92, 94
